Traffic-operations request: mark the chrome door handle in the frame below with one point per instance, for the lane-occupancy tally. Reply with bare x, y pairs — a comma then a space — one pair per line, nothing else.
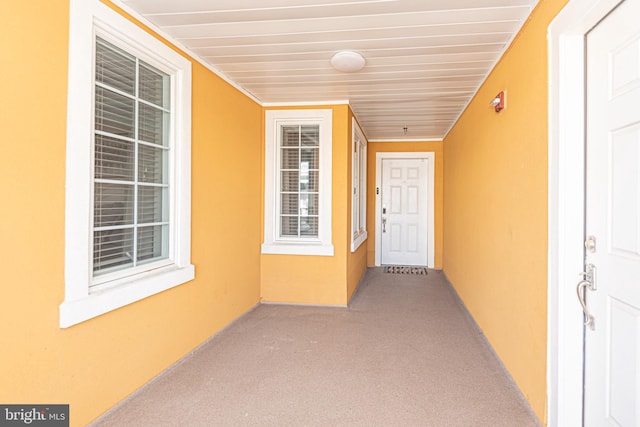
589, 320
384, 225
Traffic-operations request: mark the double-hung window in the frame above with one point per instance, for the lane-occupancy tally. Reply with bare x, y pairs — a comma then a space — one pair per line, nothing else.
298, 182
359, 187
127, 219
299, 187
131, 173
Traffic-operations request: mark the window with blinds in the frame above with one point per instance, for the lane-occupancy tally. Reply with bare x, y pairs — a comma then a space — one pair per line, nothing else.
359, 187
299, 187
128, 165
131, 149
297, 192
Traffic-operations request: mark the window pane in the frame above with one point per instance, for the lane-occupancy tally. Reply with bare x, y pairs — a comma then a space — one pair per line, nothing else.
152, 124
288, 226
151, 204
115, 113
309, 226
112, 248
115, 67
113, 158
290, 158
290, 136
310, 156
152, 164
290, 181
154, 85
153, 242
304, 176
312, 182
289, 204
308, 204
310, 135
113, 205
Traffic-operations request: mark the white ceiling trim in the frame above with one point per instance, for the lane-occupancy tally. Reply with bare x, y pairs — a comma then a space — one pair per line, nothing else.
407, 140
184, 49
496, 62
425, 60
304, 104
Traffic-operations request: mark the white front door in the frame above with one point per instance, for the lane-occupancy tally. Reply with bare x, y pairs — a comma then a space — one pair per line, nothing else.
612, 347
404, 212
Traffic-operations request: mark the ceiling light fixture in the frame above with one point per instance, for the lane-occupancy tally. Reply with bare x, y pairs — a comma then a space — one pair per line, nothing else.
347, 61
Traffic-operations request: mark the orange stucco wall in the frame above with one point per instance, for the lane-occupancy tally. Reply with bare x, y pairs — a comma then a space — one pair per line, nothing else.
304, 279
95, 364
495, 184
401, 147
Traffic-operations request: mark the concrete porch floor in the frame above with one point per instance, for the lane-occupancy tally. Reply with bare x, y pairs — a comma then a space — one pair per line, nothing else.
405, 353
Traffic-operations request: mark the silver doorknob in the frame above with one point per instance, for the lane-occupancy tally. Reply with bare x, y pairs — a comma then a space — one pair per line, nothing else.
590, 244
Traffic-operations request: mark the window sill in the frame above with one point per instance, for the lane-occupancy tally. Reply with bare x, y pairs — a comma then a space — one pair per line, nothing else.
297, 249
358, 240
104, 301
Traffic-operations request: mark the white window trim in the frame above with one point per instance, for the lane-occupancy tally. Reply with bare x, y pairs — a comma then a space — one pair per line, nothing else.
359, 184
86, 18
322, 245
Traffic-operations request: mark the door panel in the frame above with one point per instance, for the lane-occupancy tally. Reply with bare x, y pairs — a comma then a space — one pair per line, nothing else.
623, 363
404, 212
625, 149
612, 349
396, 200
413, 200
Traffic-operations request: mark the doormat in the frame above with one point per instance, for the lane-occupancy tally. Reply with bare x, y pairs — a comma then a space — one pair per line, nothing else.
399, 269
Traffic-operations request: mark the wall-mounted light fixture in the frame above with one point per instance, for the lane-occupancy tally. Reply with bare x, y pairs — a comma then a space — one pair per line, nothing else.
499, 101
405, 130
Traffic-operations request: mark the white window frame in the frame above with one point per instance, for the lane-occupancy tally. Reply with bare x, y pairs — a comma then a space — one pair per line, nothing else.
359, 186
89, 18
273, 244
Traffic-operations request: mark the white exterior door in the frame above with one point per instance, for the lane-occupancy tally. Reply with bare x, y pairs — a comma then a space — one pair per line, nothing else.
612, 348
404, 212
